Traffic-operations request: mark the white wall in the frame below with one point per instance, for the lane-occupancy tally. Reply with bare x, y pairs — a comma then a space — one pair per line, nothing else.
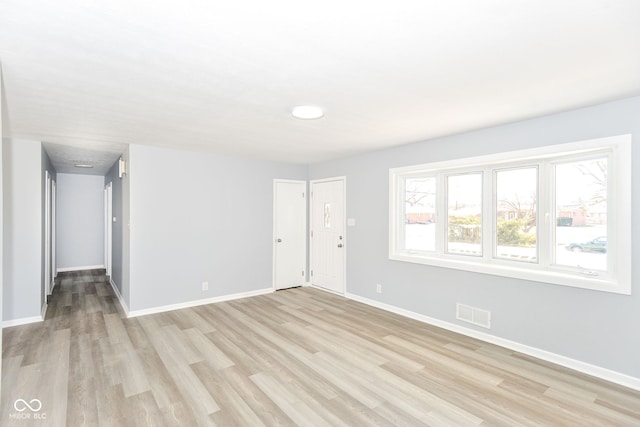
199, 217
590, 326
80, 221
22, 232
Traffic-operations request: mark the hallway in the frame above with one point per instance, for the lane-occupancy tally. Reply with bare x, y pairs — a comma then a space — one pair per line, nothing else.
54, 358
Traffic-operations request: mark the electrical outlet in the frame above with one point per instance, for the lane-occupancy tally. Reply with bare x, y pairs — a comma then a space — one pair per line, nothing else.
205, 286
379, 288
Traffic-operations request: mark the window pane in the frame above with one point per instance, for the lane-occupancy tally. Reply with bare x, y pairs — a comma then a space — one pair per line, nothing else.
516, 218
464, 214
581, 214
420, 214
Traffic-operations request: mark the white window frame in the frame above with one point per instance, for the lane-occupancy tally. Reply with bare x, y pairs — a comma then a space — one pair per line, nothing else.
617, 279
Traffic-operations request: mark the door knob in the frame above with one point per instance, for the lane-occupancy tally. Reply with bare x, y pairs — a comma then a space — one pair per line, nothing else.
340, 245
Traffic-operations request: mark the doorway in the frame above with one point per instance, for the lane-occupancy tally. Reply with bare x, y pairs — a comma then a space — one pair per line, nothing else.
328, 238
289, 233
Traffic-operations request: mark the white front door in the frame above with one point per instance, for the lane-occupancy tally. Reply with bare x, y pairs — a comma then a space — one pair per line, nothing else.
289, 233
328, 239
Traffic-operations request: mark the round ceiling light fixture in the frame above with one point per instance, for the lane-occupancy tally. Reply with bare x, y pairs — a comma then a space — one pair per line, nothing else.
307, 112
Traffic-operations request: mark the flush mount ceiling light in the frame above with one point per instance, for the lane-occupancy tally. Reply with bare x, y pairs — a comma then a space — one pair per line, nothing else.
307, 112
83, 166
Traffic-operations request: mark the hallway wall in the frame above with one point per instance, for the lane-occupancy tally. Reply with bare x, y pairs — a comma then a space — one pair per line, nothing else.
80, 222
21, 228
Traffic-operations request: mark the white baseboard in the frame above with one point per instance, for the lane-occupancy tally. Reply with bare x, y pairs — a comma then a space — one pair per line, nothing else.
23, 321
567, 362
342, 294
123, 304
43, 314
161, 309
84, 267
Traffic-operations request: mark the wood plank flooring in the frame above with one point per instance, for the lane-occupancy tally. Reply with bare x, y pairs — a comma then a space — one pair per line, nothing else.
295, 357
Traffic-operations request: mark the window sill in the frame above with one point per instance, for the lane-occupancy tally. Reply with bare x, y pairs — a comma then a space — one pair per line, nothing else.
525, 272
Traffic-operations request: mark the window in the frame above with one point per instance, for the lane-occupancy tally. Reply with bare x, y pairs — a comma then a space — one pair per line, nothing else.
464, 214
516, 220
420, 214
558, 214
581, 214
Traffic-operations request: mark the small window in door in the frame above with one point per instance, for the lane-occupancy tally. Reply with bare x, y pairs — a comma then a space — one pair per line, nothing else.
327, 215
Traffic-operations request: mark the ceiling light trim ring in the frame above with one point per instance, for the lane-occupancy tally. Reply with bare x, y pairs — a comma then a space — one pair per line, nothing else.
307, 112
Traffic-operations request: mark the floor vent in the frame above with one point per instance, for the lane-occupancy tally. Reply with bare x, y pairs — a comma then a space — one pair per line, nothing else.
473, 315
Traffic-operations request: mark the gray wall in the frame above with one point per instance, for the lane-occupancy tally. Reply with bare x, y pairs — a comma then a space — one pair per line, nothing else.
22, 229
80, 221
200, 217
594, 327
118, 226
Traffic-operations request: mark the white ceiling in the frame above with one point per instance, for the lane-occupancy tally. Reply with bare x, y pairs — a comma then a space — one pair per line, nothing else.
223, 76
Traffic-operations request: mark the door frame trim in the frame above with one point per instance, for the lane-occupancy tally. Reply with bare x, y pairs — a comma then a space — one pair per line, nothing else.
47, 234
53, 269
273, 231
108, 228
345, 238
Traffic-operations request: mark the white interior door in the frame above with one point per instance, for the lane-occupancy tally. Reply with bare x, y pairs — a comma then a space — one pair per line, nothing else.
289, 233
327, 234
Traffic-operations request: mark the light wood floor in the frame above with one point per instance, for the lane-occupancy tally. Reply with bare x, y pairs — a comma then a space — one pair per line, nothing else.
295, 357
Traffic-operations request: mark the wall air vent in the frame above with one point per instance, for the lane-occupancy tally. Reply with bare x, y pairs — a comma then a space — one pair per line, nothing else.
473, 315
